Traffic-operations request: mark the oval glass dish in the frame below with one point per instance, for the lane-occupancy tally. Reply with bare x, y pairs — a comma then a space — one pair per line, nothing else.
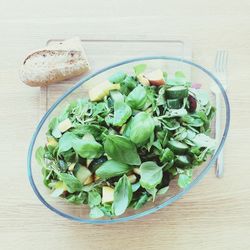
194, 73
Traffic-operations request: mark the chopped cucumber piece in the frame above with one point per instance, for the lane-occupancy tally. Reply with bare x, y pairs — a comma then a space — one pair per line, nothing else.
182, 160
175, 103
178, 147
176, 92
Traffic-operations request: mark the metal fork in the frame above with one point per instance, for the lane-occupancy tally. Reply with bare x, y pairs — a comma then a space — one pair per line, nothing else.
221, 71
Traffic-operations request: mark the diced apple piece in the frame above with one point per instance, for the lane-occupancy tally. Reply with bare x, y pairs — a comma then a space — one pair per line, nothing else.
83, 174
156, 78
136, 171
88, 161
143, 80
71, 166
96, 178
52, 142
64, 125
132, 178
107, 194
98, 92
89, 180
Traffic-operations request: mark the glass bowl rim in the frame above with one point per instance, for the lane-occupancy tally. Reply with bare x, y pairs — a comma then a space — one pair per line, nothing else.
167, 202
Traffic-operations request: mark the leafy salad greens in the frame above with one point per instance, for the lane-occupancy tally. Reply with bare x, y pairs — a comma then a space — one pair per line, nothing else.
121, 147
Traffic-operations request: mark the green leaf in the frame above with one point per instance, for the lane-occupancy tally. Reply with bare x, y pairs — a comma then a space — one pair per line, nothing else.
185, 179
96, 212
151, 175
112, 168
94, 198
71, 182
59, 188
163, 190
135, 186
122, 112
95, 130
140, 68
153, 192
116, 96
166, 156
122, 196
117, 77
141, 201
130, 82
174, 113
39, 155
77, 198
137, 98
87, 147
66, 142
121, 149
180, 77
142, 126
202, 140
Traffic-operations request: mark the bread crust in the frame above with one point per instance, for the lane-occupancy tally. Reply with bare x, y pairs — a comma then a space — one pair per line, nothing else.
54, 64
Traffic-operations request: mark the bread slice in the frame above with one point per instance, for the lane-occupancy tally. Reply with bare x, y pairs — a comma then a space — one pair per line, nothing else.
54, 63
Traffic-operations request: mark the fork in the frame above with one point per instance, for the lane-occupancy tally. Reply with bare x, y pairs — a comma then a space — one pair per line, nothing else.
220, 68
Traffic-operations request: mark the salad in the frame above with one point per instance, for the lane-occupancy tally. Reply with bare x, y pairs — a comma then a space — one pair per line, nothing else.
121, 147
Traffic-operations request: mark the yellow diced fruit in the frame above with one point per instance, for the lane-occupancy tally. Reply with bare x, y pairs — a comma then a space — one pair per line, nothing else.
96, 177
107, 194
143, 80
83, 174
136, 171
71, 166
156, 78
98, 92
88, 162
132, 178
89, 180
64, 125
52, 142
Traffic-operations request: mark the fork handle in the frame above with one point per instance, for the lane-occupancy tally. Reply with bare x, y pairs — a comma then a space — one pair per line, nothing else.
220, 161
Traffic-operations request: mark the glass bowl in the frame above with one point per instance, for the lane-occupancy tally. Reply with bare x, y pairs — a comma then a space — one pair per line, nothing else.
195, 74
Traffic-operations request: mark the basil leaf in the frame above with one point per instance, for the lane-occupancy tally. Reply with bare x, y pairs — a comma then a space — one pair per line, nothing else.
39, 155
121, 113
77, 199
122, 196
112, 168
95, 130
142, 200
121, 149
117, 77
137, 98
140, 68
130, 82
202, 140
94, 198
135, 186
96, 212
151, 175
87, 147
142, 126
71, 182
166, 156
66, 142
162, 190
185, 178
153, 192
